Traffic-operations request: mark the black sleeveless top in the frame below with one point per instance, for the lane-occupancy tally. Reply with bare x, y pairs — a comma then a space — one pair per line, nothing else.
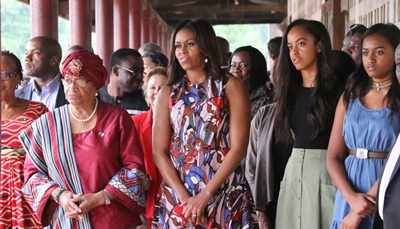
302, 127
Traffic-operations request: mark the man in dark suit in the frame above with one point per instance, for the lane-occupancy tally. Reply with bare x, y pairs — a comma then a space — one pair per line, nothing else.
388, 197
42, 60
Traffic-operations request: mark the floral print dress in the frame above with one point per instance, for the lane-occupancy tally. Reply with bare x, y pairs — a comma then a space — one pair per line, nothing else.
199, 116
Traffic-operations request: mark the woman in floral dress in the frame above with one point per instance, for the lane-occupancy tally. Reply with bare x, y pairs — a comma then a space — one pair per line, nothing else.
200, 136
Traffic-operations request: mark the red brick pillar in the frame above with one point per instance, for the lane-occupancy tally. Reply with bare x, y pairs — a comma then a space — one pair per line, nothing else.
121, 24
168, 38
135, 7
81, 23
44, 18
153, 30
159, 35
144, 25
104, 26
164, 40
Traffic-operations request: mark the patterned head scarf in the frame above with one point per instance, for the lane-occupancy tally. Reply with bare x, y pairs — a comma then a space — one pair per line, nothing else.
85, 63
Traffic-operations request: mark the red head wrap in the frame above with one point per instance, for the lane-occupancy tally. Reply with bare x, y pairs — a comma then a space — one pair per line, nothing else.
87, 64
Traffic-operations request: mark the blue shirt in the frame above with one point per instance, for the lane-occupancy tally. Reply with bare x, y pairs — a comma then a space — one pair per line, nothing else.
48, 95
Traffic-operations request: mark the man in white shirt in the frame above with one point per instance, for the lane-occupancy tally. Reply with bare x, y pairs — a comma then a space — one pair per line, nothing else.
42, 59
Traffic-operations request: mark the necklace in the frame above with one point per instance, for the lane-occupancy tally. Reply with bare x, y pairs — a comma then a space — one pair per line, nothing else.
309, 78
378, 87
88, 118
12, 113
13, 109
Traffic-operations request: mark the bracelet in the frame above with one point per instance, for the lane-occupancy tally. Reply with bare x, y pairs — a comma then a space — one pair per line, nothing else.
106, 199
59, 194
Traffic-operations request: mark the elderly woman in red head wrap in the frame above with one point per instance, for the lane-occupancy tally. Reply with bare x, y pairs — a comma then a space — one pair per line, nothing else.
85, 166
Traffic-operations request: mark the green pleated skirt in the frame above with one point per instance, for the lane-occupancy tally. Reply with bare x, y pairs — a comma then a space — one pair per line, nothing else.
307, 193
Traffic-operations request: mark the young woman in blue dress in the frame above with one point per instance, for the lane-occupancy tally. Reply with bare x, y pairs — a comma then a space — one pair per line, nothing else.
367, 122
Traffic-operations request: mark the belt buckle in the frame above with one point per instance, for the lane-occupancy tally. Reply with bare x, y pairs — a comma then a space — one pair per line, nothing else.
362, 153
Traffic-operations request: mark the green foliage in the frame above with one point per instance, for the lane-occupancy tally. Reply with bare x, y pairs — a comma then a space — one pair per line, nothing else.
255, 35
16, 28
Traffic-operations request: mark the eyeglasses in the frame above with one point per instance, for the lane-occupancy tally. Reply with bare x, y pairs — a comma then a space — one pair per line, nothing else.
78, 82
133, 72
7, 75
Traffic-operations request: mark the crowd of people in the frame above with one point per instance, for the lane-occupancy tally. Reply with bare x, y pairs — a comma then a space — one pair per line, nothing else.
205, 138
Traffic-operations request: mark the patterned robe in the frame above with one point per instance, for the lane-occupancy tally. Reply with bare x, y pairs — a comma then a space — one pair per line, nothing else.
105, 157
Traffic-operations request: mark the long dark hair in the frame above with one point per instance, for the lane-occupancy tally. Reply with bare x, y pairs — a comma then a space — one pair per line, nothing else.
258, 74
359, 83
289, 83
207, 42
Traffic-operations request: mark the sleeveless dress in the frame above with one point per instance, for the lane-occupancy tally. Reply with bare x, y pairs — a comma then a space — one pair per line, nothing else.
15, 212
199, 116
375, 130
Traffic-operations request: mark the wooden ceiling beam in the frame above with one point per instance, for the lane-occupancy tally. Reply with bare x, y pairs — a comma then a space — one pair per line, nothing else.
221, 9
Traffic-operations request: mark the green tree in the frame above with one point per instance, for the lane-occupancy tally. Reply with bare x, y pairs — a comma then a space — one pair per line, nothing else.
255, 35
16, 28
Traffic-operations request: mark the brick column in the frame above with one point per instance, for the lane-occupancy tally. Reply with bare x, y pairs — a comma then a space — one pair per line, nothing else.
44, 18
144, 25
135, 6
153, 30
81, 23
121, 24
104, 28
159, 35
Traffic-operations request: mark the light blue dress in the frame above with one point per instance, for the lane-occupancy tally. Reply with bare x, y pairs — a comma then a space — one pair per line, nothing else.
375, 130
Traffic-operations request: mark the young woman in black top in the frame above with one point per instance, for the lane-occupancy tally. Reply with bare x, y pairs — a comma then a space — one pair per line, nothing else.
306, 97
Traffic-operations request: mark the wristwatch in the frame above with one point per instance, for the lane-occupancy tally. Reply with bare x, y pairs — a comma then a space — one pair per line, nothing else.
108, 201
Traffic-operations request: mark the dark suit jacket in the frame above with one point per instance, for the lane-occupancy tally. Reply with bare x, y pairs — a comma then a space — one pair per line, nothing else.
392, 202
26, 93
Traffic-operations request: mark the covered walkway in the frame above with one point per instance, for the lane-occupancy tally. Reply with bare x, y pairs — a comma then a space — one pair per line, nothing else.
131, 23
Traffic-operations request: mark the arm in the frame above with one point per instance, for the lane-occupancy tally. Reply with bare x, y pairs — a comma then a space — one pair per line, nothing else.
161, 144
35, 180
128, 185
239, 127
254, 155
133, 164
38, 184
336, 154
